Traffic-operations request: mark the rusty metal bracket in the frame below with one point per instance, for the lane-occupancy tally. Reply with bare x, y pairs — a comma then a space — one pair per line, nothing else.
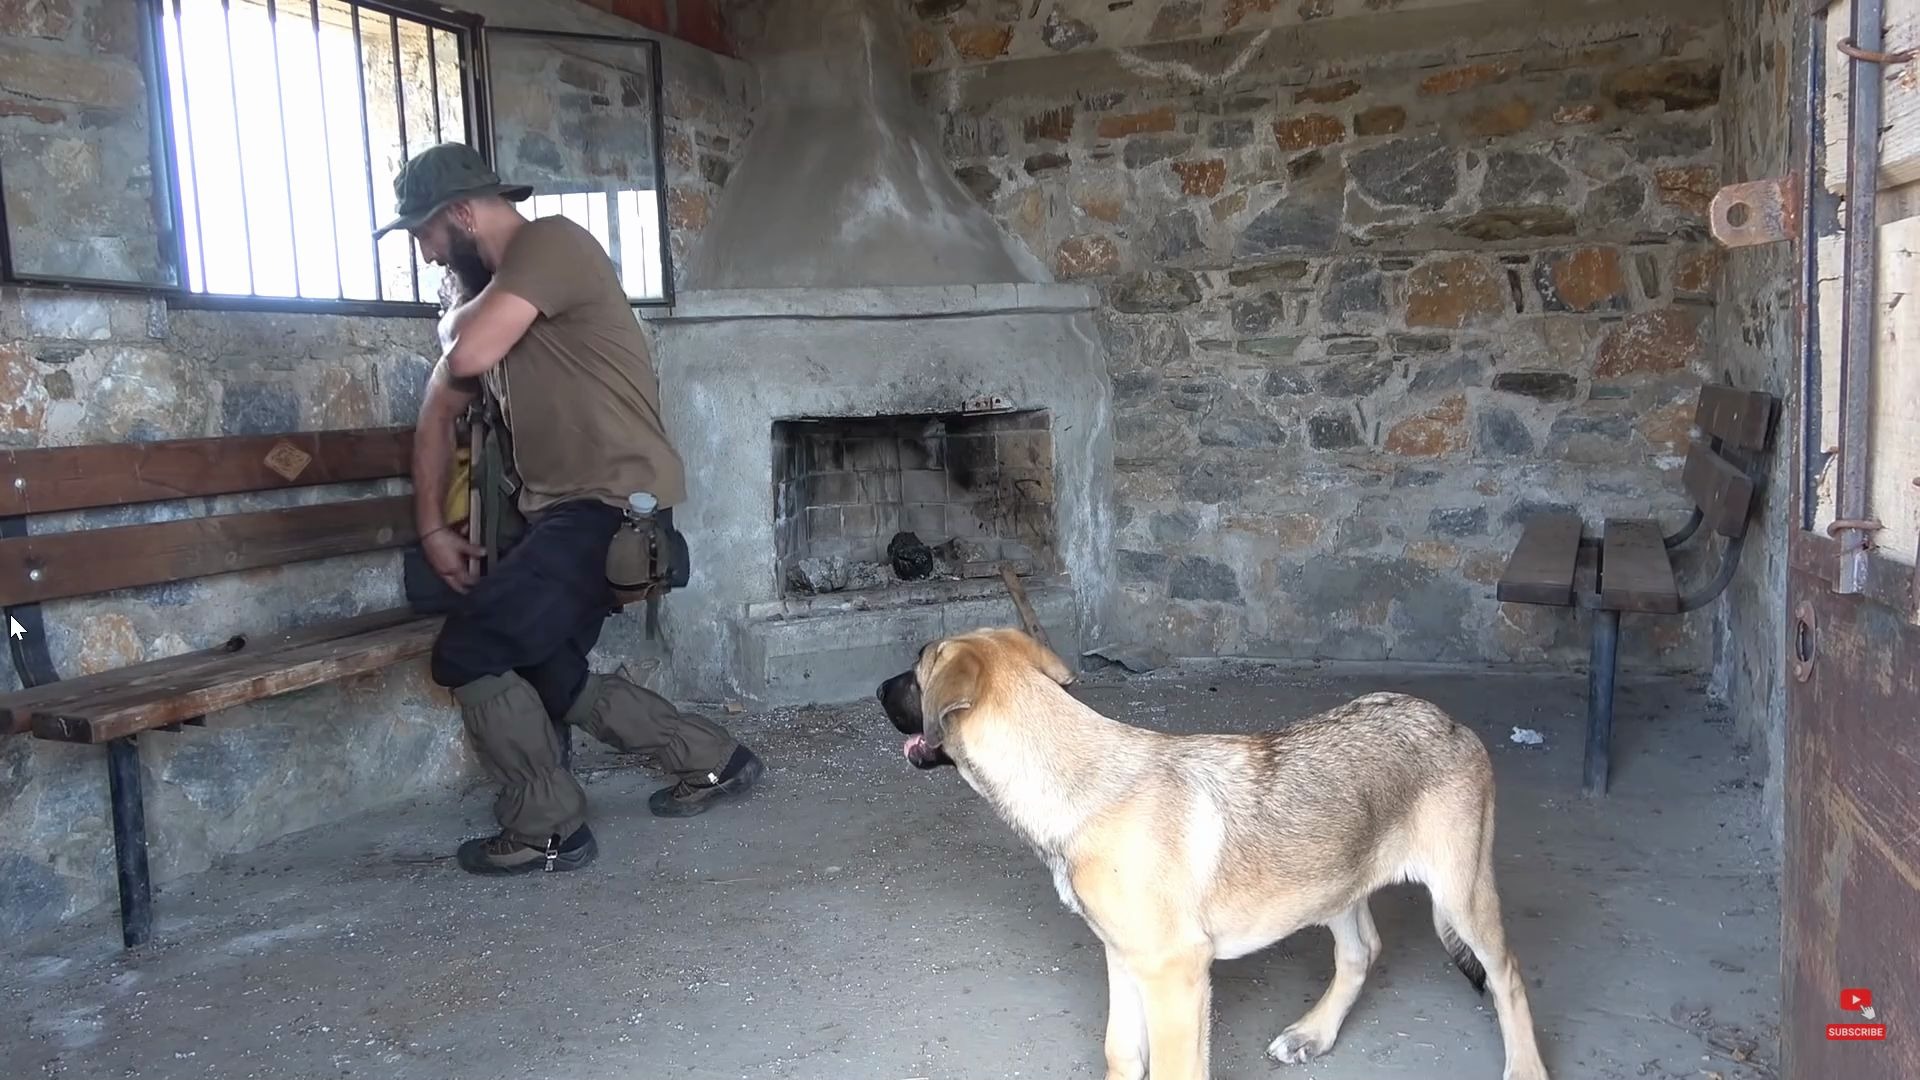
1804, 645
1757, 212
1866, 525
1869, 56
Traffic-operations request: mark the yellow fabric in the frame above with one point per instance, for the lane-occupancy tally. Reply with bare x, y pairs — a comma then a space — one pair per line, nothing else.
459, 487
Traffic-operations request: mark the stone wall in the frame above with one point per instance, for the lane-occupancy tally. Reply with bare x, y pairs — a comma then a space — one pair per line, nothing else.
1377, 286
80, 367
1765, 100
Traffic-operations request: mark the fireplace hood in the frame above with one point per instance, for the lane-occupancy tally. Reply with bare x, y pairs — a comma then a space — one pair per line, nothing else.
842, 183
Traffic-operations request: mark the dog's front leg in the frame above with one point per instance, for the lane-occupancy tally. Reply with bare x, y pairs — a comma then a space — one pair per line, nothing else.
1126, 1023
1178, 993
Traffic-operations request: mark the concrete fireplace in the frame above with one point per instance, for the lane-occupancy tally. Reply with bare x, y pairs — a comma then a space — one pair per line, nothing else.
859, 353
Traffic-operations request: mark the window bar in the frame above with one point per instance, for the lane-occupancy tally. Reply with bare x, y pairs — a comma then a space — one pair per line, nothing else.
366, 134
612, 196
326, 148
433, 85
239, 153
286, 163
193, 153
400, 113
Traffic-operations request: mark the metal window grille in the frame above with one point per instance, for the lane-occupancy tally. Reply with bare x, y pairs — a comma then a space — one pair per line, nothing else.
331, 96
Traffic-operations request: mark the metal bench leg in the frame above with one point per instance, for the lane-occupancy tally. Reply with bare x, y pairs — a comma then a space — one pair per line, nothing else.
1606, 651
130, 841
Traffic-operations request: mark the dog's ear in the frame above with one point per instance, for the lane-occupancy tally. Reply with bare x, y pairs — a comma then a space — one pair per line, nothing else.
1029, 651
952, 683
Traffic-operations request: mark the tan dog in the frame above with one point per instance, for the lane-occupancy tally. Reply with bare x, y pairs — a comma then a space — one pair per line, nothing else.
1179, 850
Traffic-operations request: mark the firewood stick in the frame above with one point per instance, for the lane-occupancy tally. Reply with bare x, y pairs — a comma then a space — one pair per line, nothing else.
1028, 620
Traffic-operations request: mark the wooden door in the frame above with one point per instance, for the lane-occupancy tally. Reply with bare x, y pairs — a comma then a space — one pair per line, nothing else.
1851, 882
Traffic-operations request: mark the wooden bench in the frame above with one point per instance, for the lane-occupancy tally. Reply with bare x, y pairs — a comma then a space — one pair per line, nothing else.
116, 707
1629, 566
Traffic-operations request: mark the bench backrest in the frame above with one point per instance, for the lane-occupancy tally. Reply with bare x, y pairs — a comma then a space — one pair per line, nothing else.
1741, 420
54, 480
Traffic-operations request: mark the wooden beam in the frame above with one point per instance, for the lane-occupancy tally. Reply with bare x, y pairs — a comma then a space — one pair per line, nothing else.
1636, 573
1740, 418
1541, 568
17, 708
127, 703
55, 479
39, 568
1723, 493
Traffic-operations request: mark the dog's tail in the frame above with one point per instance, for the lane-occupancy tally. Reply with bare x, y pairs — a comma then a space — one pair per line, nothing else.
1463, 957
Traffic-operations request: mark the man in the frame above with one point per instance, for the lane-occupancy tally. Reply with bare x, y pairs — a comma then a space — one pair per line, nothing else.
543, 326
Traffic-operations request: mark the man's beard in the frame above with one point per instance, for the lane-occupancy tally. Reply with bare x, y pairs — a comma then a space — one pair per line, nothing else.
464, 266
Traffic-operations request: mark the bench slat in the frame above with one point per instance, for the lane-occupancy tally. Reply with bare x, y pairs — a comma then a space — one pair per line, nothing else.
1723, 493
134, 703
1635, 572
102, 560
16, 709
60, 478
1739, 418
1540, 571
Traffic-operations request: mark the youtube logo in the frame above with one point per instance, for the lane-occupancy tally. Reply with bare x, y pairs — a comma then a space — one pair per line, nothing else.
1854, 1000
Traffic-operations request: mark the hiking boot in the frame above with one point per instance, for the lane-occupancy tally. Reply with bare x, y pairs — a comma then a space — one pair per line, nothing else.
696, 794
501, 854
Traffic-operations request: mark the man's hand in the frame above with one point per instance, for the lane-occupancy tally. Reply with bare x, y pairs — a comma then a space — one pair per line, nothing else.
447, 552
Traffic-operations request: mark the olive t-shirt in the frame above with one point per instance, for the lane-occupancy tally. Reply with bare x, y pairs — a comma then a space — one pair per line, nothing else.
578, 390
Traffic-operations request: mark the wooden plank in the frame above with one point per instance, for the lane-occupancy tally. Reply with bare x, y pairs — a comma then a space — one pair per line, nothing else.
1741, 419
39, 568
16, 709
1029, 621
1723, 493
1541, 568
62, 478
143, 703
1893, 453
1899, 88
1635, 572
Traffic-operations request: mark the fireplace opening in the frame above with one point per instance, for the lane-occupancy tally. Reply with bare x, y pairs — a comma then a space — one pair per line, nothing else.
881, 502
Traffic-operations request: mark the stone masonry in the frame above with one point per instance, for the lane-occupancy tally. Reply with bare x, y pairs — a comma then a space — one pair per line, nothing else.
1371, 297
79, 367
1755, 338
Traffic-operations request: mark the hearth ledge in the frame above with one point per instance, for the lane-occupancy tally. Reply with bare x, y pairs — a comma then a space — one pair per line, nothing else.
903, 302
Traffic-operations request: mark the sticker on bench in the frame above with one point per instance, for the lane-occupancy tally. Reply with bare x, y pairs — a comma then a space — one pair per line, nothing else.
288, 460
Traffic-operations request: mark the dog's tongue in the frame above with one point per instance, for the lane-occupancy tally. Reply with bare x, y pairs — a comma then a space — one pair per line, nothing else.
915, 746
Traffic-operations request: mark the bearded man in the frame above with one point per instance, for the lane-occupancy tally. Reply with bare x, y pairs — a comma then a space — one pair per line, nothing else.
541, 324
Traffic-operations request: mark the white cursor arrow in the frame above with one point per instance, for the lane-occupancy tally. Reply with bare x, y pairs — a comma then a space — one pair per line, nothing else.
14, 628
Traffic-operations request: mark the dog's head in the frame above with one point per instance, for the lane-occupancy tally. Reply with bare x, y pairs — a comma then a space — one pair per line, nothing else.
930, 701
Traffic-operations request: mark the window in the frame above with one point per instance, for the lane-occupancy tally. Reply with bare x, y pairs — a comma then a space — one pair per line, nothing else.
252, 163
289, 120
578, 117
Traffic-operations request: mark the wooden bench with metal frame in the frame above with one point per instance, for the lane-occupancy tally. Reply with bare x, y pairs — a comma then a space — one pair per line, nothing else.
1629, 566
116, 707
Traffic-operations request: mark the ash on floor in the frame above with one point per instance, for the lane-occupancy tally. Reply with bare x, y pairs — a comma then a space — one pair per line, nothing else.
859, 919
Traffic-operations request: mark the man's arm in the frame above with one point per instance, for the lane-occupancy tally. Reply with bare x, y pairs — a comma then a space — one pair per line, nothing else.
476, 335
445, 399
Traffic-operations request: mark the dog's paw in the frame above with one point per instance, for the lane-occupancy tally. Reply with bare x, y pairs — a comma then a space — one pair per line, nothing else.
1296, 1046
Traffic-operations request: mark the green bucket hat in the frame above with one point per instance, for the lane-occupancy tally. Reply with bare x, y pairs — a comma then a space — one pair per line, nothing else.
437, 176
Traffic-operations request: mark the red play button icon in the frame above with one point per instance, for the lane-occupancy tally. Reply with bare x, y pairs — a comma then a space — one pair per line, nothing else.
1855, 1000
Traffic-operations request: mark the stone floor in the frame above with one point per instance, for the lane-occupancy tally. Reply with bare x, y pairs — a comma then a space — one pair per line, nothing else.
858, 920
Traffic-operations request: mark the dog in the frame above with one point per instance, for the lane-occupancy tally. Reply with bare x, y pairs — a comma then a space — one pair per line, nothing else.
1177, 850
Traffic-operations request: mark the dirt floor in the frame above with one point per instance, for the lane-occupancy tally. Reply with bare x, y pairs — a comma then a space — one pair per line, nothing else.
859, 920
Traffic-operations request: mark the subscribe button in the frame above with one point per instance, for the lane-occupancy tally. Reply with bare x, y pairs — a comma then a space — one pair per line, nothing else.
1856, 1032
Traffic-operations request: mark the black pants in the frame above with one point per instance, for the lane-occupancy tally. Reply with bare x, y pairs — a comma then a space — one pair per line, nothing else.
538, 612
